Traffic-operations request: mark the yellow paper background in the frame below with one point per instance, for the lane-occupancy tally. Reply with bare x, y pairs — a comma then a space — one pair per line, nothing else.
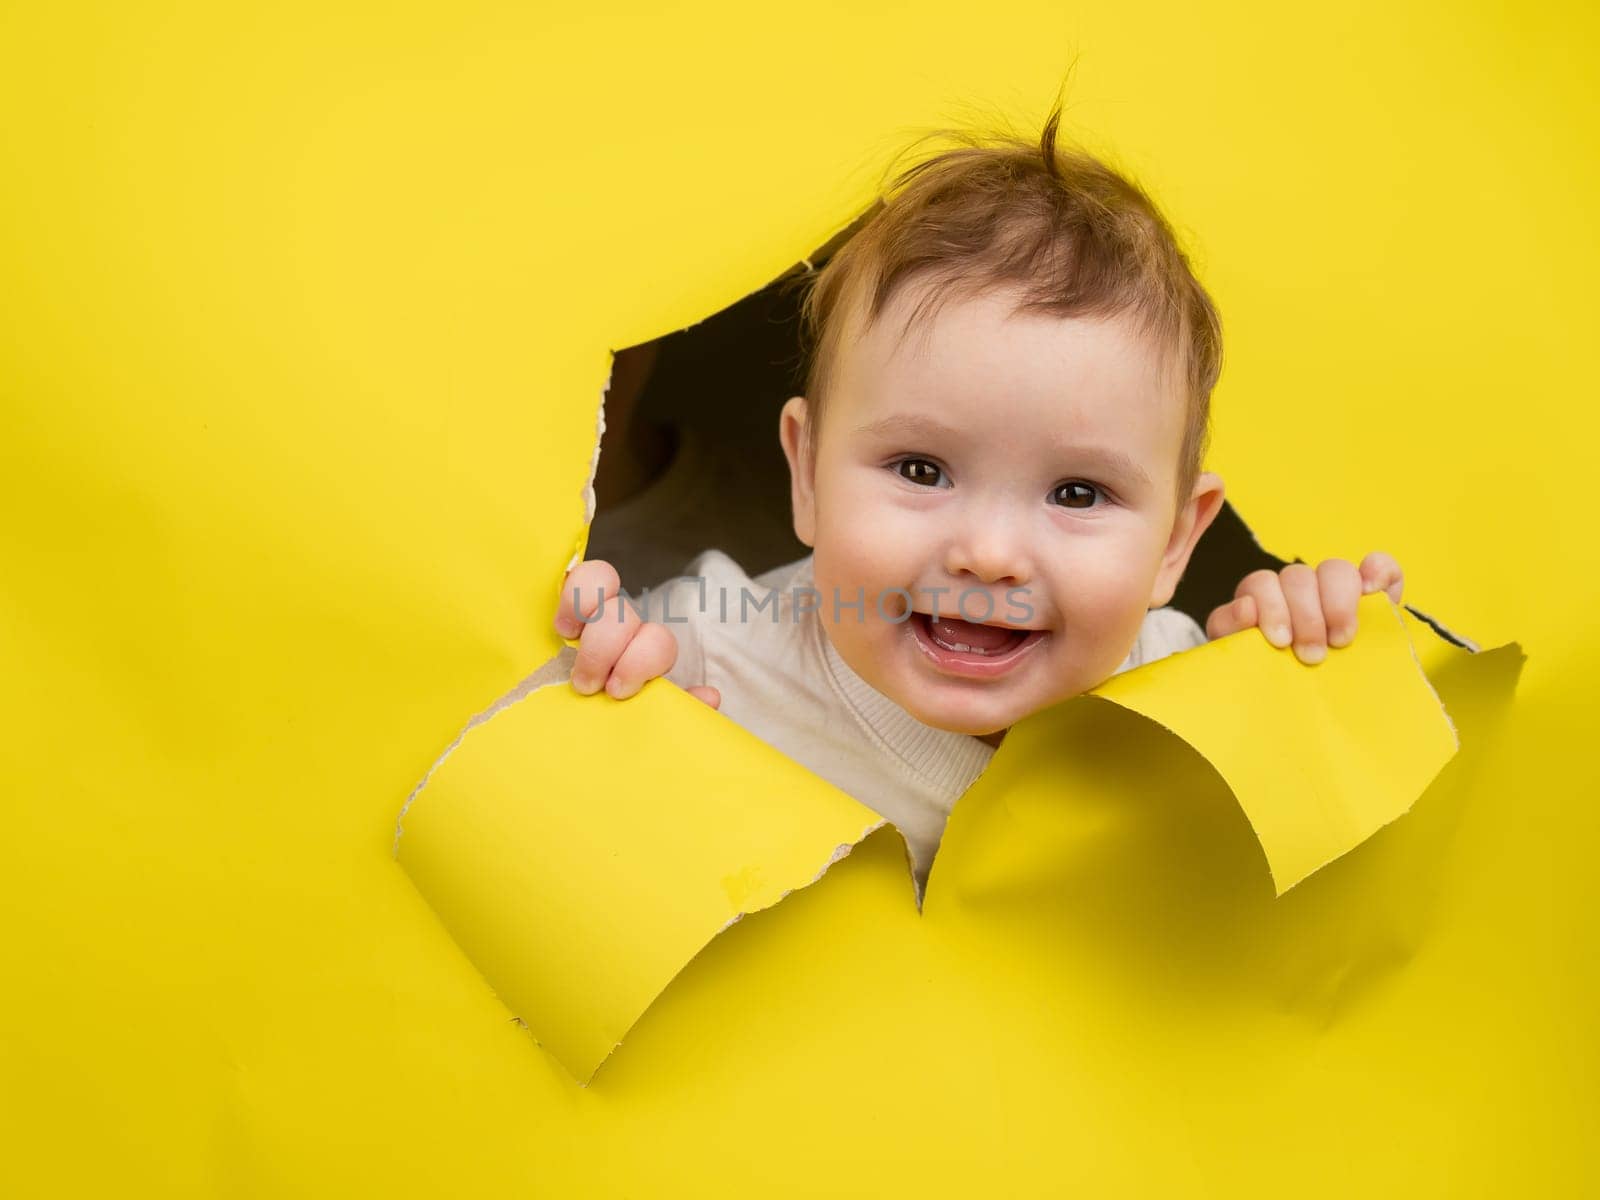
297, 303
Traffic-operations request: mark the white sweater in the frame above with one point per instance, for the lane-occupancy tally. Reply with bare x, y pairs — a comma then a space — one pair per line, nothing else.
783, 680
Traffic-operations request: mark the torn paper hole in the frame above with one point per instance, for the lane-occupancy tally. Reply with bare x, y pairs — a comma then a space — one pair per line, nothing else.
690, 460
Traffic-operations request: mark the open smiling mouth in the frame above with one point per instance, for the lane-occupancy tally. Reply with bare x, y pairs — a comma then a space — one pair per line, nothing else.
967, 648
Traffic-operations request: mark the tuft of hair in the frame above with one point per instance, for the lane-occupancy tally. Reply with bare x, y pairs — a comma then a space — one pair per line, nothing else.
1071, 234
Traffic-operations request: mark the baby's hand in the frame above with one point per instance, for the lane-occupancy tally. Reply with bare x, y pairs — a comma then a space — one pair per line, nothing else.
619, 650
1313, 609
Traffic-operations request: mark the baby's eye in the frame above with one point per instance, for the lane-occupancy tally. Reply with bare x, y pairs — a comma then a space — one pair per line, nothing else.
919, 470
1076, 494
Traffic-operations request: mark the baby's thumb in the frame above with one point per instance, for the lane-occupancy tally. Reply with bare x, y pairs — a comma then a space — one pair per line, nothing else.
1231, 618
709, 695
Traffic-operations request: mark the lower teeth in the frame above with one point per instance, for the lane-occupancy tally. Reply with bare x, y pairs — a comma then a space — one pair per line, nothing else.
963, 648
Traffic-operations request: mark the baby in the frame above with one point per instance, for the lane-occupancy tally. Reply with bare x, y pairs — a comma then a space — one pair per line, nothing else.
997, 467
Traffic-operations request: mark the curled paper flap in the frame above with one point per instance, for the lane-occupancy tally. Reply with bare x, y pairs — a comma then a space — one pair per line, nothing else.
1319, 758
582, 850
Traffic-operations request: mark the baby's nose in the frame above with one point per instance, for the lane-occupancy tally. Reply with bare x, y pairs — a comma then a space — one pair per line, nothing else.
990, 552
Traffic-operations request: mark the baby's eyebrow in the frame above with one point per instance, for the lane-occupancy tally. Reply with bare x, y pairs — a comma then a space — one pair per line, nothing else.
908, 425
916, 425
1114, 462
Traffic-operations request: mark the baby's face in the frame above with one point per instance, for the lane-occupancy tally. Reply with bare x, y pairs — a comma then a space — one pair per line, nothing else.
1017, 462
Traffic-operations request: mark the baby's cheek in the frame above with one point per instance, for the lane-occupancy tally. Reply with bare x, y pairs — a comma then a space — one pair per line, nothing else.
1105, 611
857, 558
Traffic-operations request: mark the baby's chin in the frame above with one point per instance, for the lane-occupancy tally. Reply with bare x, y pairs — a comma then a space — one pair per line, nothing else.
980, 708
973, 719
977, 714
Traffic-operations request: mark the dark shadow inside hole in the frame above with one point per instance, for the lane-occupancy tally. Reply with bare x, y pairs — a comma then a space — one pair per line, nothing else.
690, 458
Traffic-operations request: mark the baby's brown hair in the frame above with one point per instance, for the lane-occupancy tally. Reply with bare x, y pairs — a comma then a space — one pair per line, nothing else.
1076, 237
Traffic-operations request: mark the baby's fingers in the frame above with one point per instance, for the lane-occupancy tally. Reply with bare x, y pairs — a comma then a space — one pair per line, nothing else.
1272, 609
1304, 598
1340, 585
1380, 573
706, 693
602, 643
652, 652
587, 586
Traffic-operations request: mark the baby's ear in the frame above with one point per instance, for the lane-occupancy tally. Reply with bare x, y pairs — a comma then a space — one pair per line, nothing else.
792, 430
1193, 519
